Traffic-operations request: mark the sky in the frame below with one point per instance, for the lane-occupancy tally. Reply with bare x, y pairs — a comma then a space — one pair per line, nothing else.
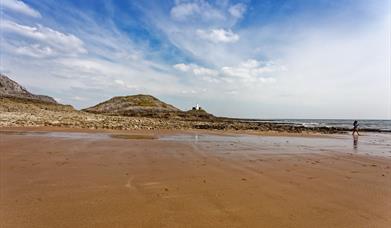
249, 59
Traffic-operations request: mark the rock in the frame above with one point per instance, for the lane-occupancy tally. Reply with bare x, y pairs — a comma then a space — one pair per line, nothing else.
137, 105
10, 88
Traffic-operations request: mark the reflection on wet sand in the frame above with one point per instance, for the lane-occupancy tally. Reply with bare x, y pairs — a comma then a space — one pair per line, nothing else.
355, 142
373, 144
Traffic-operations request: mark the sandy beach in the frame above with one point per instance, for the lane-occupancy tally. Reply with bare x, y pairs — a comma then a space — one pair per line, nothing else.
52, 178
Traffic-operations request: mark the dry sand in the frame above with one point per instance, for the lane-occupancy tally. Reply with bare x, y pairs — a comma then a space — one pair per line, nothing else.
84, 179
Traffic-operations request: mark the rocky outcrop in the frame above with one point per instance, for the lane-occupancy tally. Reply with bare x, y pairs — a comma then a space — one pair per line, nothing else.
11, 89
136, 105
200, 114
145, 106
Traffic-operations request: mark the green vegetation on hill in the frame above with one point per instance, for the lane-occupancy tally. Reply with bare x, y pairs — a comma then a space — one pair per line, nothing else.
17, 104
139, 100
136, 105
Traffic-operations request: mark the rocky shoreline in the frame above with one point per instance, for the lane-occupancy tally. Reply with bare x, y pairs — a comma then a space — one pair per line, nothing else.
19, 113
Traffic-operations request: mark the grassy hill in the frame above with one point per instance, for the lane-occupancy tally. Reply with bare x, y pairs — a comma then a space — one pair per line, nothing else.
136, 105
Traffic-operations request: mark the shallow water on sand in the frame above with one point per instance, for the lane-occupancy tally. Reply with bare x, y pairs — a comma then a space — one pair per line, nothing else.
368, 144
377, 144
77, 135
54, 134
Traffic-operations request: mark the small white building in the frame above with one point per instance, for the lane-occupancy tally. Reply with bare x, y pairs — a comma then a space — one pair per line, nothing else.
197, 107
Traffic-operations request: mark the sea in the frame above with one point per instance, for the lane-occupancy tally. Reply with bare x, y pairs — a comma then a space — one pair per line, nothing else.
346, 124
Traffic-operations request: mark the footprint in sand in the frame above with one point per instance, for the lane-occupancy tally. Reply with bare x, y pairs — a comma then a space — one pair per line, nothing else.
129, 184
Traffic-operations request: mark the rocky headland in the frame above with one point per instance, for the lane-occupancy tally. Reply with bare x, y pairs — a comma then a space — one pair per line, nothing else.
11, 89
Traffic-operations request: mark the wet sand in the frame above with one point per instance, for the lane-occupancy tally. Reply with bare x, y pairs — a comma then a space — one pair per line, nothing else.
176, 179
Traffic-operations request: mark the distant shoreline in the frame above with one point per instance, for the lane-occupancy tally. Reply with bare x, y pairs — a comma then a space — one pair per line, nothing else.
315, 123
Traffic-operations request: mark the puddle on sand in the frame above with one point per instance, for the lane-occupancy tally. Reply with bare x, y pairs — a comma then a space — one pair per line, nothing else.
18, 132
67, 135
200, 138
133, 136
77, 135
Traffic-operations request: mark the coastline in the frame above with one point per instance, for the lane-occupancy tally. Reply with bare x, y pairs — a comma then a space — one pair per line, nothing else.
23, 113
28, 113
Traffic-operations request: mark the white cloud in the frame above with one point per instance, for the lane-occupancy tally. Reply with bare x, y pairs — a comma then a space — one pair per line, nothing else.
182, 67
248, 71
218, 35
125, 84
202, 9
252, 70
184, 10
237, 10
20, 7
46, 36
192, 91
204, 71
119, 82
197, 33
195, 69
34, 50
78, 98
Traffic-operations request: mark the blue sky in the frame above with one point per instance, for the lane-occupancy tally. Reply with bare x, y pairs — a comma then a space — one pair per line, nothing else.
258, 59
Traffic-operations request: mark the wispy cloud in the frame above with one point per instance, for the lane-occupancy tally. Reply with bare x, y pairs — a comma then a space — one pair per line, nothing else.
206, 39
196, 9
251, 70
247, 71
40, 40
218, 35
195, 69
237, 10
19, 7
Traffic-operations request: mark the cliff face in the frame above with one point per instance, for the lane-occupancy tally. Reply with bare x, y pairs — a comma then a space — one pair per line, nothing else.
15, 98
11, 89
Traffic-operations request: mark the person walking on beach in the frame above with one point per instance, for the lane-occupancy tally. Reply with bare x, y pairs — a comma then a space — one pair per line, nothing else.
355, 127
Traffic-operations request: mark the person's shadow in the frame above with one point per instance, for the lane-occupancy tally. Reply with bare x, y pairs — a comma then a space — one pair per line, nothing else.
355, 142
